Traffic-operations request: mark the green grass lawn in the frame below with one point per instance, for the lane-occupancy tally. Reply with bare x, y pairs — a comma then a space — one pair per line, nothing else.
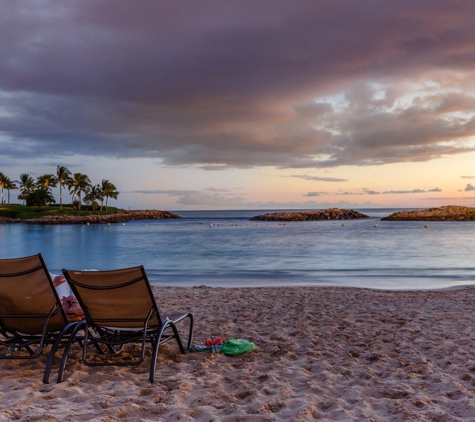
23, 212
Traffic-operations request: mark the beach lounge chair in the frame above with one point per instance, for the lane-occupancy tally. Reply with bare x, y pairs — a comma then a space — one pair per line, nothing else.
120, 308
31, 314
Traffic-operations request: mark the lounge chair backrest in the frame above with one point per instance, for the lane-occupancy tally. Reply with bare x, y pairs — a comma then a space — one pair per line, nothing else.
118, 298
27, 296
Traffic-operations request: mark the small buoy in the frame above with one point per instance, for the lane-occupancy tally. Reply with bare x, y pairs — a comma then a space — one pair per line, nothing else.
87, 224
123, 224
375, 225
108, 224
425, 226
343, 224
145, 224
211, 225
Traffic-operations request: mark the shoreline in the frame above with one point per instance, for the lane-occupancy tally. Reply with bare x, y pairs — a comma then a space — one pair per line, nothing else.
328, 353
440, 214
316, 286
121, 217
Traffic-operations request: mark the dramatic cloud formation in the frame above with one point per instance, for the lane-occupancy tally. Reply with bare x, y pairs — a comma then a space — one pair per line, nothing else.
238, 84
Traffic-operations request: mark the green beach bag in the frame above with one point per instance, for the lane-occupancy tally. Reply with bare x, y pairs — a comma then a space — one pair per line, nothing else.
237, 346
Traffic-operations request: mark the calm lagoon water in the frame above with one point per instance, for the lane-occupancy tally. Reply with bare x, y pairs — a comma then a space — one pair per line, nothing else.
236, 252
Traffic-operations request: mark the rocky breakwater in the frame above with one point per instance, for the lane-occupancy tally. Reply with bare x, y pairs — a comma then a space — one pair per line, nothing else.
446, 213
100, 219
328, 214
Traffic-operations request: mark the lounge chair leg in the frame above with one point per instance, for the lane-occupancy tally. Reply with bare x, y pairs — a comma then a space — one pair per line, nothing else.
178, 340
153, 363
49, 362
64, 358
52, 353
190, 334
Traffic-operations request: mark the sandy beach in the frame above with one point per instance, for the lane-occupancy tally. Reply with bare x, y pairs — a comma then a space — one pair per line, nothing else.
322, 354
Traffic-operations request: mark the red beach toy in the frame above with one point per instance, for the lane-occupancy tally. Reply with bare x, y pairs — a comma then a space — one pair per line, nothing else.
214, 341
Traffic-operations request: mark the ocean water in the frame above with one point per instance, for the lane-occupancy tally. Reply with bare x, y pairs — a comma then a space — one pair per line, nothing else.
226, 249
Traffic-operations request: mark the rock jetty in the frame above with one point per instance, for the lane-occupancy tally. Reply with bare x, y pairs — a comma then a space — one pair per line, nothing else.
446, 213
95, 219
328, 214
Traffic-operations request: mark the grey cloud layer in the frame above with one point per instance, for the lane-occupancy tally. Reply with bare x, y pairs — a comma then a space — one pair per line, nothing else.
366, 191
401, 192
318, 178
233, 84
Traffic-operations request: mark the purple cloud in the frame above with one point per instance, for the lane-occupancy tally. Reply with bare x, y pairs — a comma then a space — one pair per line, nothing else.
238, 84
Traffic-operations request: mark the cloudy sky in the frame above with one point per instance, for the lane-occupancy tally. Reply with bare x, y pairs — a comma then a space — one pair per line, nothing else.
244, 104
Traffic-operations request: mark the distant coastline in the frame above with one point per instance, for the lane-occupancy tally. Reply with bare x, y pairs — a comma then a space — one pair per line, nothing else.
50, 217
119, 217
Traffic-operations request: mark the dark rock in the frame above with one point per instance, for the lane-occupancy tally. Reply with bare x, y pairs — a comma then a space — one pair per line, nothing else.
96, 219
328, 214
446, 213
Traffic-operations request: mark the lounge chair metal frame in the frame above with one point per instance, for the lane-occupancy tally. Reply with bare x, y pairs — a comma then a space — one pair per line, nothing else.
14, 331
115, 332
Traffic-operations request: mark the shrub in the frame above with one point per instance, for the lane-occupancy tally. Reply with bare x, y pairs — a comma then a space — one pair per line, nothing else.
40, 197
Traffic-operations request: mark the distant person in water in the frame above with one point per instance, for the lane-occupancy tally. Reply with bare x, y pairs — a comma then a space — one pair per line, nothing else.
70, 304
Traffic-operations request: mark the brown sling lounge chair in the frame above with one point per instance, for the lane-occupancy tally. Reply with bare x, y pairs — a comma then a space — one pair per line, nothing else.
120, 309
31, 314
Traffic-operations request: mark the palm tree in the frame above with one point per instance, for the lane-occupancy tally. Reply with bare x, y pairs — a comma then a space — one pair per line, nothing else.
10, 185
78, 184
27, 184
108, 190
63, 177
100, 194
93, 195
47, 180
2, 183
